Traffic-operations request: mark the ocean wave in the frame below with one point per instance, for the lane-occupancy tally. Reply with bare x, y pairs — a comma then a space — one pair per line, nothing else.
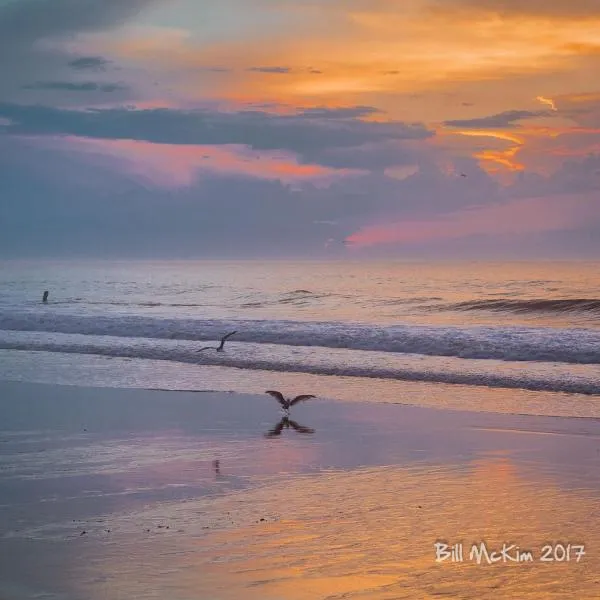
590, 306
575, 345
148, 304
410, 370
293, 298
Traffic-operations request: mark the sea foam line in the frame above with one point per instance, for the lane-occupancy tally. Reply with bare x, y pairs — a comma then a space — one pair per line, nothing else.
576, 345
405, 370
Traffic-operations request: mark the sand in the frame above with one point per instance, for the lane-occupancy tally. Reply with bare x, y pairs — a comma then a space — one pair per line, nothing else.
124, 493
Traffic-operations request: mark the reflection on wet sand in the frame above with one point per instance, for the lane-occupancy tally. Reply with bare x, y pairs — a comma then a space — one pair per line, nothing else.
286, 423
182, 496
362, 534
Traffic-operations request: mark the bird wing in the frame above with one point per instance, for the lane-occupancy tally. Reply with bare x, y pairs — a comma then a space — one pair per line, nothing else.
301, 428
278, 396
277, 429
206, 348
224, 338
301, 398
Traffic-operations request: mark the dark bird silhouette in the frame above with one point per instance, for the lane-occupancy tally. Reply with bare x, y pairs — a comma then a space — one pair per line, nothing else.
286, 403
45, 297
286, 423
220, 347
463, 175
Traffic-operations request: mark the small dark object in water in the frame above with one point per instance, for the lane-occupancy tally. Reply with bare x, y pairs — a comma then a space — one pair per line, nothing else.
82, 533
45, 296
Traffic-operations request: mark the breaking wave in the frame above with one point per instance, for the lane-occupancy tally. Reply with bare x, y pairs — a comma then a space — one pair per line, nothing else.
589, 306
509, 343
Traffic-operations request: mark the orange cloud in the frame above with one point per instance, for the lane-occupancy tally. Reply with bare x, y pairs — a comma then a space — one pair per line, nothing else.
416, 59
547, 101
519, 216
388, 48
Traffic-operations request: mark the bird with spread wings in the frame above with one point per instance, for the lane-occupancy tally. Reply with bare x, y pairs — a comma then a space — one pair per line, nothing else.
221, 345
288, 403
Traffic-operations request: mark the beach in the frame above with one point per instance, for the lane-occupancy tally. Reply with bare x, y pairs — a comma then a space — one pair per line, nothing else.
452, 449
299, 300
133, 493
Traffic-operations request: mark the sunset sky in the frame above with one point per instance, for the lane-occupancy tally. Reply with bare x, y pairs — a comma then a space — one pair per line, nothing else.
358, 128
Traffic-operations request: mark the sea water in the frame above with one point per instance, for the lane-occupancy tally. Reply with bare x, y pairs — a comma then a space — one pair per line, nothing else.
521, 326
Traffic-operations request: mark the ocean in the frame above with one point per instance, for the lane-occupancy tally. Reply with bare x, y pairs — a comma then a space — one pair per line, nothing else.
509, 337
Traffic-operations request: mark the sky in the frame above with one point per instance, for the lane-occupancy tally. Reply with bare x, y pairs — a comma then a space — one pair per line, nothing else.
300, 128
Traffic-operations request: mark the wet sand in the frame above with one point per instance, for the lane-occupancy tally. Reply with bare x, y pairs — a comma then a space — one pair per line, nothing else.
116, 493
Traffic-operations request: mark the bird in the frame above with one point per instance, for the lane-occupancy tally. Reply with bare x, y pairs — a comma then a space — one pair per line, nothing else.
286, 403
463, 174
220, 347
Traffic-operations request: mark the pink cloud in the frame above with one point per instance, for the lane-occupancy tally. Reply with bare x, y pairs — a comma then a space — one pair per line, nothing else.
520, 216
173, 165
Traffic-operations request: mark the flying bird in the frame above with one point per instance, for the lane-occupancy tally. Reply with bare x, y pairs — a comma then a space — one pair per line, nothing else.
287, 403
220, 347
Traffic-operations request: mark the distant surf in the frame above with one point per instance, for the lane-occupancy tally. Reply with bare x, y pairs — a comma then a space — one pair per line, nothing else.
539, 305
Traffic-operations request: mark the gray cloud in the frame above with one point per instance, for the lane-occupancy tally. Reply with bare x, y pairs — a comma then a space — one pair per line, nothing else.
501, 120
303, 134
84, 86
24, 24
270, 69
217, 69
346, 112
90, 211
371, 156
94, 63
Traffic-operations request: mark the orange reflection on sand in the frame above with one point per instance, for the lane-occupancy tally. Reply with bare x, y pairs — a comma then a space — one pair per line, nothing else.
371, 534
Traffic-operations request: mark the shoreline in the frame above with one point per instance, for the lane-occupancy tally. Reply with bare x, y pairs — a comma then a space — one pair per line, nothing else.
101, 371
